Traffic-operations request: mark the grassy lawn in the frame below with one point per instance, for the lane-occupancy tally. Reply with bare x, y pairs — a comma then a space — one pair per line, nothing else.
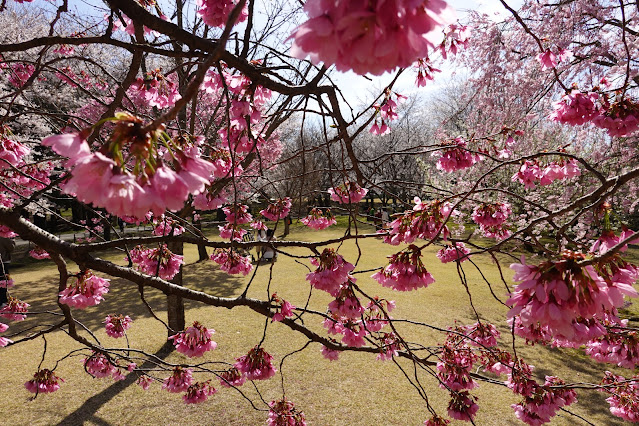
356, 390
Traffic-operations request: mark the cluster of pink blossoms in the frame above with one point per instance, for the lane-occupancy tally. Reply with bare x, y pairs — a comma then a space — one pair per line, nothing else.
609, 239
100, 366
462, 406
319, 219
548, 59
454, 367
87, 290
284, 413
556, 293
405, 271
531, 172
542, 402
616, 344
20, 73
387, 112
156, 261
198, 392
103, 179
369, 36
456, 251
353, 331
179, 380
456, 156
436, 420
39, 253
231, 378
232, 262
346, 304
44, 381
256, 364
215, 13
11, 151
624, 396
491, 219
332, 271
15, 309
283, 309
117, 325
619, 117
425, 72
165, 226
348, 193
426, 221
155, 90
277, 210
194, 341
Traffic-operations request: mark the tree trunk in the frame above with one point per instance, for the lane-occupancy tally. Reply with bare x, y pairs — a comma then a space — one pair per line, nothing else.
201, 248
175, 303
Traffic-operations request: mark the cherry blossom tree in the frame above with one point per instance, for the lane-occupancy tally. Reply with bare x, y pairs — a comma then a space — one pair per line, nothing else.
158, 113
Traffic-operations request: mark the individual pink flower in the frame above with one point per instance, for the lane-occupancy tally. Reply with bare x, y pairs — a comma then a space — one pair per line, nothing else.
3, 340
198, 392
283, 308
369, 36
117, 325
348, 193
528, 174
284, 413
332, 271
231, 378
425, 72
547, 59
15, 309
319, 219
194, 341
179, 381
277, 210
87, 290
204, 201
215, 13
405, 271
456, 251
44, 381
232, 262
256, 365
71, 145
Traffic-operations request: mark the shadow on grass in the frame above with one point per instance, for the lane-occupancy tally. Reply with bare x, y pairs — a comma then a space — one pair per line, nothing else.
123, 296
87, 411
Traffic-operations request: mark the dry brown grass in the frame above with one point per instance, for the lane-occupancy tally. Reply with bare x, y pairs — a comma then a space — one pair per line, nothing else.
356, 390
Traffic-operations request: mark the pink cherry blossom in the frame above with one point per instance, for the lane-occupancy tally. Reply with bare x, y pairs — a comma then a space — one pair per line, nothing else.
624, 399
231, 378
348, 193
15, 309
426, 221
277, 210
329, 354
405, 271
462, 406
155, 90
116, 325
100, 366
144, 382
456, 156
319, 219
179, 381
576, 108
198, 392
454, 252
39, 253
87, 290
70, 145
232, 262
12, 152
283, 308
547, 59
332, 271
146, 261
346, 304
215, 13
194, 341
44, 381
256, 365
284, 413
369, 36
